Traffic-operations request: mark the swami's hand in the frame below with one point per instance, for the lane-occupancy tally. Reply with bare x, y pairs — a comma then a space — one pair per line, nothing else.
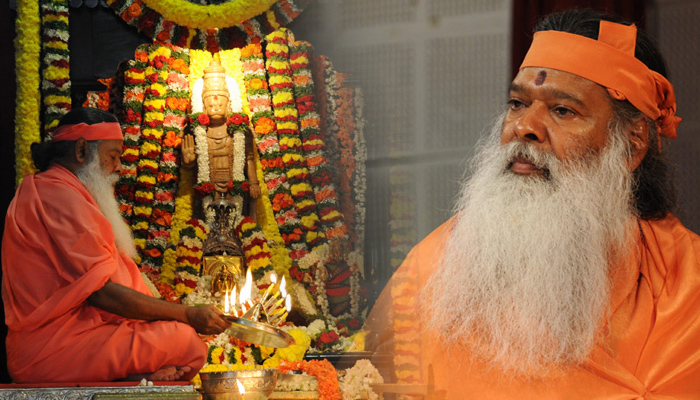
207, 320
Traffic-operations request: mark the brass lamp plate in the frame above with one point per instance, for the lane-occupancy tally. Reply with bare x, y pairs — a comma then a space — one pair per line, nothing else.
258, 333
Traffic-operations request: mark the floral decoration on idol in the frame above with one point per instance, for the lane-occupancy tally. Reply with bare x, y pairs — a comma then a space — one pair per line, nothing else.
212, 27
55, 84
27, 61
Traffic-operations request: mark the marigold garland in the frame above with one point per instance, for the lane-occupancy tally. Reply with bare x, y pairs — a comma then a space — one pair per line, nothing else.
27, 51
131, 118
323, 370
55, 86
183, 12
286, 117
213, 38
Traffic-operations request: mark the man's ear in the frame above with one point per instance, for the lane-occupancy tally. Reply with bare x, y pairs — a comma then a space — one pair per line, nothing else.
81, 150
639, 142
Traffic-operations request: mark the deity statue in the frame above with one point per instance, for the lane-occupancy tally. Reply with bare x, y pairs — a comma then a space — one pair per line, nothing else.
222, 149
221, 144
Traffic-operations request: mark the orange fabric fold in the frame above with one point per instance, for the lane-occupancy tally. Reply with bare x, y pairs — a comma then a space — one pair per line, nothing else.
610, 62
58, 249
652, 350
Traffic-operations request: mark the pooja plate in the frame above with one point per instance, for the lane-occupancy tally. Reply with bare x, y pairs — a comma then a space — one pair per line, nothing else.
258, 333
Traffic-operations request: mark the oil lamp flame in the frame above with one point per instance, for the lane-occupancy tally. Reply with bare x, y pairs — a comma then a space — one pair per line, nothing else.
241, 388
227, 305
283, 287
247, 290
288, 304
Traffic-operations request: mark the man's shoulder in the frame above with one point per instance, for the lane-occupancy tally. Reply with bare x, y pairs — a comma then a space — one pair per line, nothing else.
672, 250
55, 190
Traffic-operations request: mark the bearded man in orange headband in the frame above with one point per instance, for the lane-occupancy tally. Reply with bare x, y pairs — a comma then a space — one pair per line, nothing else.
76, 306
563, 274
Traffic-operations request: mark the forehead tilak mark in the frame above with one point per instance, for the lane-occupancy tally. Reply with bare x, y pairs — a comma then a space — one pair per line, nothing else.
541, 76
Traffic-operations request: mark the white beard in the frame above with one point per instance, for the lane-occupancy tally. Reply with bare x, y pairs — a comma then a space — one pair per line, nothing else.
524, 279
101, 187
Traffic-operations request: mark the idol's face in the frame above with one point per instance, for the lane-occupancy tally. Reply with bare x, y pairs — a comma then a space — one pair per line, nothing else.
216, 106
557, 112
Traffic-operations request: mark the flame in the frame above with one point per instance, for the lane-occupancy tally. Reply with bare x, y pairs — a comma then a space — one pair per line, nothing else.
283, 287
241, 388
233, 299
273, 278
247, 290
288, 304
227, 305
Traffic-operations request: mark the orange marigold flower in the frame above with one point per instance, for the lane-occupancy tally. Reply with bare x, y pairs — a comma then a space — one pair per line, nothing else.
301, 79
133, 11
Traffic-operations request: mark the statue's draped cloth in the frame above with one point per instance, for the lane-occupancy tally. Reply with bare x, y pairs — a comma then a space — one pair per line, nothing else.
652, 350
58, 248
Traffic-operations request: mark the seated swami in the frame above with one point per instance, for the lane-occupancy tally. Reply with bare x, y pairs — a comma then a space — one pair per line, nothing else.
76, 305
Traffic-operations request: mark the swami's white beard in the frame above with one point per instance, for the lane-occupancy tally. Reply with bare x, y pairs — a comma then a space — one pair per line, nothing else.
525, 272
101, 187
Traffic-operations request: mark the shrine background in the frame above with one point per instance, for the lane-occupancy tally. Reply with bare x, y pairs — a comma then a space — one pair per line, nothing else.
434, 74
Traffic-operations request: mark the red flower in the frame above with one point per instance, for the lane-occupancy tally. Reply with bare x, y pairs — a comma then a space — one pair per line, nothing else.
245, 186
204, 189
236, 119
328, 337
203, 119
354, 323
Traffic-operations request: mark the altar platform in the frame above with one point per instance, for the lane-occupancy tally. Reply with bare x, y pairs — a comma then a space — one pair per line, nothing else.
99, 391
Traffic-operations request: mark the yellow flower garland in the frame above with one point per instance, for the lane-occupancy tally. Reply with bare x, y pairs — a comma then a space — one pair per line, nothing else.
224, 15
28, 49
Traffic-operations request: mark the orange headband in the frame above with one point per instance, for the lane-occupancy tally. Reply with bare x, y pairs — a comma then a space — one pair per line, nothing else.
99, 131
610, 62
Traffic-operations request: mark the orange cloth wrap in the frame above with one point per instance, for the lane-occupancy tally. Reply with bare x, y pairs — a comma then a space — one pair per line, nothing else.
610, 62
651, 348
58, 249
100, 131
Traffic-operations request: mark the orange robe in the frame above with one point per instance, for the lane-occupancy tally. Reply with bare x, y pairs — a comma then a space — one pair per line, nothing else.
57, 249
652, 352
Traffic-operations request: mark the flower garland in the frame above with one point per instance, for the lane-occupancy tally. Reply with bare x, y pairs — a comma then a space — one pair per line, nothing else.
235, 126
55, 85
325, 194
27, 50
189, 255
201, 30
357, 380
151, 238
286, 118
182, 12
359, 180
346, 168
260, 101
131, 118
255, 247
168, 178
323, 370
268, 155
